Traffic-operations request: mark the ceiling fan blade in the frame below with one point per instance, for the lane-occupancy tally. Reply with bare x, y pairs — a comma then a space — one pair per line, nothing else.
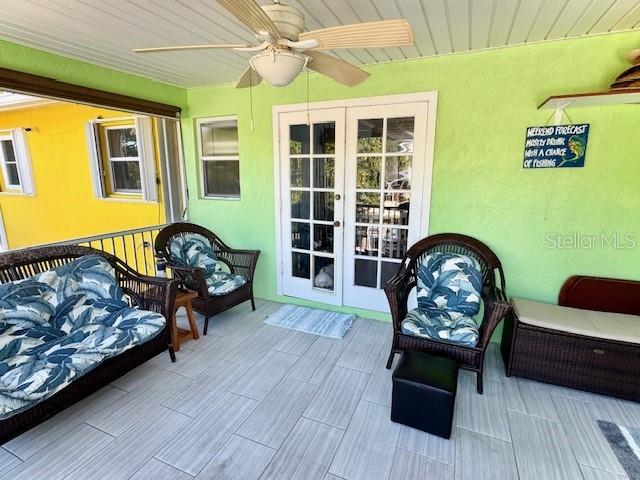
187, 47
634, 56
335, 68
385, 33
249, 78
252, 16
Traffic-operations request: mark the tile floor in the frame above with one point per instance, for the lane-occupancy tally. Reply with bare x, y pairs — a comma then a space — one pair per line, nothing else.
251, 401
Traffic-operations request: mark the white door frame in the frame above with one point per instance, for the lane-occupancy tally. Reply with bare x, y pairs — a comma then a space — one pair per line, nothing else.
431, 100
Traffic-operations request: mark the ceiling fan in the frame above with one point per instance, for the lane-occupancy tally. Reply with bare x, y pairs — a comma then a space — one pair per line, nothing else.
286, 49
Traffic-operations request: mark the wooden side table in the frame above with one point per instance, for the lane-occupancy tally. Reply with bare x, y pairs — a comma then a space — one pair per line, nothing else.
183, 299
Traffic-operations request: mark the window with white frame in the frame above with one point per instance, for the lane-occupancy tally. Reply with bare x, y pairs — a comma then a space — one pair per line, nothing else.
123, 161
10, 171
219, 159
15, 162
122, 157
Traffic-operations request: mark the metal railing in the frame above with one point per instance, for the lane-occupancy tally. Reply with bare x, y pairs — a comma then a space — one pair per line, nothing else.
134, 247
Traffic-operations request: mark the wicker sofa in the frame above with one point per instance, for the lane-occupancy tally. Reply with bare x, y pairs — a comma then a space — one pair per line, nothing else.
590, 341
72, 319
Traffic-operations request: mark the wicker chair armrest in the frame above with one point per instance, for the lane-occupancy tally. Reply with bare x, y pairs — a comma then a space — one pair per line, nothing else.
496, 307
155, 294
190, 278
242, 262
397, 290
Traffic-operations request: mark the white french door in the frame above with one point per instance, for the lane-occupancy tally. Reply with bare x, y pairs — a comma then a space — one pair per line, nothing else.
312, 152
354, 189
385, 184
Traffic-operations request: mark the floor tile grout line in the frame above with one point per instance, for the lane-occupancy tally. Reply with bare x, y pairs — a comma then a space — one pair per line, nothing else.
539, 417
513, 444
258, 442
169, 465
483, 434
424, 456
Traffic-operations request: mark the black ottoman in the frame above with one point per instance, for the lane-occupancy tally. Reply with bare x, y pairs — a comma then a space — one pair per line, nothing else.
424, 393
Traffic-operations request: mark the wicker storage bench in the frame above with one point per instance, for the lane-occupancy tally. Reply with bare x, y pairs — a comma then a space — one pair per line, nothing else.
590, 341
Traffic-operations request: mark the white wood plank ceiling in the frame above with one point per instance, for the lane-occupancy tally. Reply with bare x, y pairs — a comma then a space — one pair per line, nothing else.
104, 32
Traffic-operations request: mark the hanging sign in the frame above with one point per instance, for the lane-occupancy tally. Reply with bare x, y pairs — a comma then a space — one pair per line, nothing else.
556, 146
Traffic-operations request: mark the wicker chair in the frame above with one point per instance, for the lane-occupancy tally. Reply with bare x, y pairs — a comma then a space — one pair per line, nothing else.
148, 293
240, 262
496, 304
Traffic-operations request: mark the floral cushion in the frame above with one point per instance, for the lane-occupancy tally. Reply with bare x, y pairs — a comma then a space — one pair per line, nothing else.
59, 324
24, 317
194, 250
450, 282
221, 283
26, 379
438, 325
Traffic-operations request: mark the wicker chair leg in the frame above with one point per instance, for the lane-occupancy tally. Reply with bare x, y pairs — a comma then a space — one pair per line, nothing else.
206, 320
390, 361
172, 354
253, 303
479, 382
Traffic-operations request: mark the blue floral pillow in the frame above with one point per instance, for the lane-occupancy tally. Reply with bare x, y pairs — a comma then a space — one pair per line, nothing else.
194, 250
91, 276
450, 282
24, 315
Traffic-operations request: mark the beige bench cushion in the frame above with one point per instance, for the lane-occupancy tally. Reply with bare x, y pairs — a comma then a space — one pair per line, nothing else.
612, 326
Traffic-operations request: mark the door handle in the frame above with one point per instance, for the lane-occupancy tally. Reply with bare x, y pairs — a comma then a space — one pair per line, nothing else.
336, 223
338, 197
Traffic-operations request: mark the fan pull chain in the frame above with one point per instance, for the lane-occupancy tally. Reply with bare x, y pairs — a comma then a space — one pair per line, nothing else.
251, 99
308, 108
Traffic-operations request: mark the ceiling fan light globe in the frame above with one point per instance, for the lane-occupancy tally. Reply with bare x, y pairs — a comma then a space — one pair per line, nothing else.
278, 68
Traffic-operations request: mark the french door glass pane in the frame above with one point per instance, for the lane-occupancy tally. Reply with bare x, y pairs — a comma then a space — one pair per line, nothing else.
300, 205
367, 207
299, 139
387, 270
324, 172
370, 135
400, 135
7, 150
366, 273
126, 175
221, 177
300, 173
300, 235
219, 138
323, 269
397, 175
300, 265
367, 241
396, 208
368, 172
324, 138
323, 206
122, 142
394, 242
323, 238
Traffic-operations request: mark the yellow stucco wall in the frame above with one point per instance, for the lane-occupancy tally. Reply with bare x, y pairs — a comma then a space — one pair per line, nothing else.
64, 205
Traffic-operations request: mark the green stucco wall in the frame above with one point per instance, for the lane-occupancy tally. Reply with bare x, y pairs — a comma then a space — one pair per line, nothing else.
485, 102
37, 62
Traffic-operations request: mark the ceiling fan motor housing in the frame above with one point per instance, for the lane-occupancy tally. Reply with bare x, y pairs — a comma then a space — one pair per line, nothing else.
289, 20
